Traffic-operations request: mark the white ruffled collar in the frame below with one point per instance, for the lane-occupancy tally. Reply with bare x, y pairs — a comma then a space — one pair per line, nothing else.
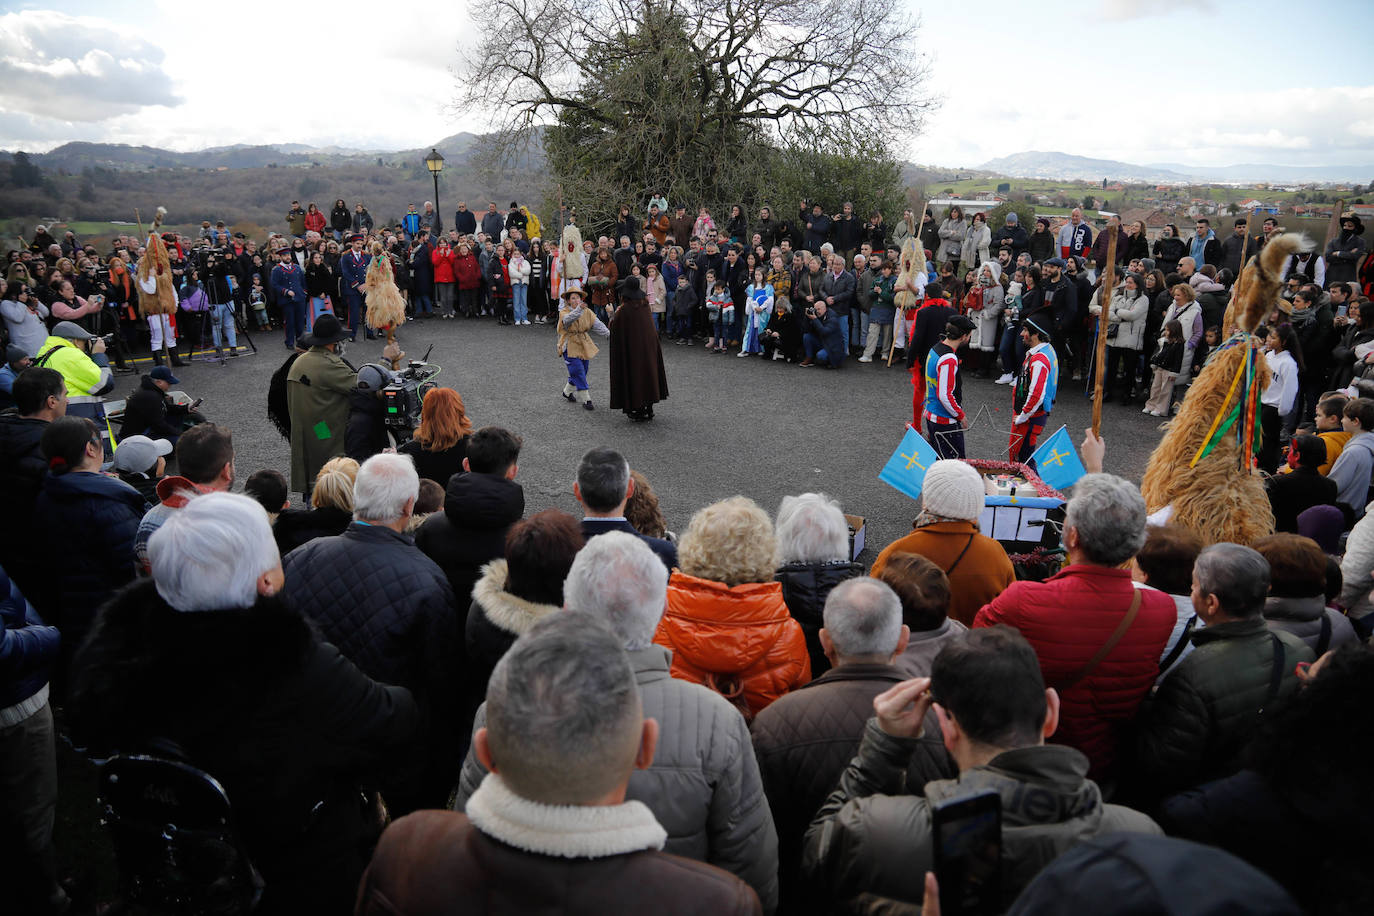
566, 831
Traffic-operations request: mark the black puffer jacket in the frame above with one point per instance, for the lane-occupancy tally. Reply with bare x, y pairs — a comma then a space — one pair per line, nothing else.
266, 707
149, 412
805, 586
295, 527
365, 434
390, 611
471, 531
383, 603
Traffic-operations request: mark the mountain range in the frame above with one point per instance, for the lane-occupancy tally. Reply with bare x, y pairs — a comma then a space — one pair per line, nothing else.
1066, 167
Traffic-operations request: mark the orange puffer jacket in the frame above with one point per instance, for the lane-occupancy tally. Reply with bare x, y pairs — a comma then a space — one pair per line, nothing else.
739, 641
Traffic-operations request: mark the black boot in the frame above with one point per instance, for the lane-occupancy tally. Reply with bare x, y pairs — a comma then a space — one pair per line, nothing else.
176, 360
157, 358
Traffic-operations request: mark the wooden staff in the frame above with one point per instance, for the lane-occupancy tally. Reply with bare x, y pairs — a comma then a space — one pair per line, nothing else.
139, 220
1333, 228
1104, 297
919, 216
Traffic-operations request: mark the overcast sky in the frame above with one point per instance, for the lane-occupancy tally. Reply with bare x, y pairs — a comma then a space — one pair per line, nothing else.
1196, 82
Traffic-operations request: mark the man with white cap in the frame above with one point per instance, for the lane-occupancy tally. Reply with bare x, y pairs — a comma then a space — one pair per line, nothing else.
141, 462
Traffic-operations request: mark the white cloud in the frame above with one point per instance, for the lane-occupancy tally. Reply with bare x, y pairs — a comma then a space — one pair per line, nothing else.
1121, 10
58, 66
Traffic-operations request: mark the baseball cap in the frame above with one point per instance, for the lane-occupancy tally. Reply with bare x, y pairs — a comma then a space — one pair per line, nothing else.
138, 454
163, 374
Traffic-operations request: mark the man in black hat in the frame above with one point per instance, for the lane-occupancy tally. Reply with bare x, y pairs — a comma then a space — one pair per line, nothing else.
944, 411
317, 390
1345, 252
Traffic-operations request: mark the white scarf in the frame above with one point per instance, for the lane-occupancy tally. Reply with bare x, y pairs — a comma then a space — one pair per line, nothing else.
565, 831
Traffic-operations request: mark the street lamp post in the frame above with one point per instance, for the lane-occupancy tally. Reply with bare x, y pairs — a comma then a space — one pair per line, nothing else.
435, 163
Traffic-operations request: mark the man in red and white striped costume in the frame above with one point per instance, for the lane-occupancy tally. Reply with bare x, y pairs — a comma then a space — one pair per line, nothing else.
1033, 392
943, 412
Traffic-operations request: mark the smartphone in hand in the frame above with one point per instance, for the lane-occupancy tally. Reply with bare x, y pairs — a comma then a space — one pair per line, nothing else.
968, 854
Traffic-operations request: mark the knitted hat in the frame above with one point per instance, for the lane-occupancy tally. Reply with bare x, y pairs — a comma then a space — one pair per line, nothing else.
953, 489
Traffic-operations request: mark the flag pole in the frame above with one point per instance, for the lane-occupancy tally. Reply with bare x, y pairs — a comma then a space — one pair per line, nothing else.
1104, 298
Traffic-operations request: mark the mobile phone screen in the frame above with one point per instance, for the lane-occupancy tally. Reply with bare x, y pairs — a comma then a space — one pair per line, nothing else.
968, 855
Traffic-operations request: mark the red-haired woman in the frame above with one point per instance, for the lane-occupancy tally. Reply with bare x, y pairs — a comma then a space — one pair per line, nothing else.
441, 439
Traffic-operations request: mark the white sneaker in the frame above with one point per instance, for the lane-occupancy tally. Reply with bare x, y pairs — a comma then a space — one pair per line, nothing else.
1005, 379
865, 359
777, 355
742, 353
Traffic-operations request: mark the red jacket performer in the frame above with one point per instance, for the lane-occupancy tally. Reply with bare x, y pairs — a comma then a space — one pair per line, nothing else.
1032, 396
944, 414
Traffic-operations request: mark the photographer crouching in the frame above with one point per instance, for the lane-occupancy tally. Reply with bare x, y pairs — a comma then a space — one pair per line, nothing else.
150, 411
80, 358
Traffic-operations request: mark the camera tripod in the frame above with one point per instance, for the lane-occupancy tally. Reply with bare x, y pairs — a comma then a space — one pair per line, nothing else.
206, 338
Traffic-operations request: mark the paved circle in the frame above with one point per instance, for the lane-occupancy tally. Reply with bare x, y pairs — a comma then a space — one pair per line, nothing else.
731, 425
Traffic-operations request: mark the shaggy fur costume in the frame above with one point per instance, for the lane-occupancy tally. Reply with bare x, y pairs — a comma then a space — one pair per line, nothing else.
155, 263
913, 264
385, 306
1220, 498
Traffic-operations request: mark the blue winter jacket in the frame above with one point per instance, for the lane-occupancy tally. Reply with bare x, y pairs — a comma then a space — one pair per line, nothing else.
87, 522
27, 646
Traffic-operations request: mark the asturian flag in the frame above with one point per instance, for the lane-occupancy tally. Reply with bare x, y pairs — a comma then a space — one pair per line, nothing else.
906, 469
1057, 462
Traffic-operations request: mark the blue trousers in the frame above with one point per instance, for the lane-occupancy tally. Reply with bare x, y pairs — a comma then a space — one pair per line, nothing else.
520, 293
577, 371
844, 328
355, 311
815, 351
293, 318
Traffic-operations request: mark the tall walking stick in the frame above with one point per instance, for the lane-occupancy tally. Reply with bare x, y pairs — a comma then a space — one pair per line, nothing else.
1104, 296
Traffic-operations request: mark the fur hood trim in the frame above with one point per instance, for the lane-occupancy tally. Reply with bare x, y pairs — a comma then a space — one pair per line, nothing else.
565, 831
509, 612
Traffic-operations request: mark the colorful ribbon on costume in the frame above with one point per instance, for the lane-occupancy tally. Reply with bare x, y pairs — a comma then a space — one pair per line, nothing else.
1229, 414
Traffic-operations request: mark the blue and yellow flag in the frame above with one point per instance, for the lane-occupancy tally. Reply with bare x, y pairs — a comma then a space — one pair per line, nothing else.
1057, 462
906, 469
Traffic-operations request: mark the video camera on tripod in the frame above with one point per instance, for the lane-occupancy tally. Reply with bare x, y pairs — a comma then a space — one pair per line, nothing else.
403, 397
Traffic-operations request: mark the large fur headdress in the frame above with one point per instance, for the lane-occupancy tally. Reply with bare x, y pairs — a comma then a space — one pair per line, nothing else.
156, 293
913, 264
1198, 467
386, 308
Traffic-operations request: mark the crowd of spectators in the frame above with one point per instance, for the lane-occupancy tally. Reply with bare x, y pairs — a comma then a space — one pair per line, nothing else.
419, 698
579, 714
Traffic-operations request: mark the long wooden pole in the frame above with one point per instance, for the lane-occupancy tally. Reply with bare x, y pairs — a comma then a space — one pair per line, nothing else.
1104, 298
919, 216
1333, 228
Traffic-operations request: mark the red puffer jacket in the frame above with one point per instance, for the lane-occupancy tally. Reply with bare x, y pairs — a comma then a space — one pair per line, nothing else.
739, 641
1066, 619
467, 271
442, 259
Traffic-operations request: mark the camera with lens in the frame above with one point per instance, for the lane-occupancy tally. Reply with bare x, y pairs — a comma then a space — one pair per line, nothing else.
403, 397
208, 258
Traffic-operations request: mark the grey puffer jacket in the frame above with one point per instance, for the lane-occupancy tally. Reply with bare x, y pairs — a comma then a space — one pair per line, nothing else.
871, 837
1310, 620
703, 786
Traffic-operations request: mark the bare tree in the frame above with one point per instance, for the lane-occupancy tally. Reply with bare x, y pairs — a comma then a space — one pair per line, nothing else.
650, 95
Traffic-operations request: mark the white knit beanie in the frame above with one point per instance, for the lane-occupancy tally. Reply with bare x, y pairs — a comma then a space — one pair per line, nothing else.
953, 489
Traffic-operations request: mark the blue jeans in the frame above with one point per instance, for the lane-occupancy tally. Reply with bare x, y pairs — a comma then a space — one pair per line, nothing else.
814, 351
222, 320
844, 328
863, 328
1012, 349
520, 299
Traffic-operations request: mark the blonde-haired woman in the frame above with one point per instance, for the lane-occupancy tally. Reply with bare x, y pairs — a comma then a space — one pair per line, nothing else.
331, 510
726, 622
